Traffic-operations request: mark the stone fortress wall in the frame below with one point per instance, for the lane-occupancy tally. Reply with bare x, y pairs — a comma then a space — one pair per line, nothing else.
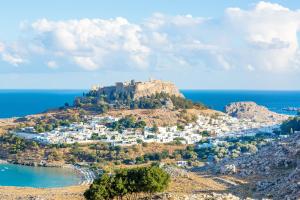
140, 89
156, 86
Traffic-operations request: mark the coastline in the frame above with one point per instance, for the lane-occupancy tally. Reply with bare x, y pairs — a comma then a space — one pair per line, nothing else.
86, 175
3, 161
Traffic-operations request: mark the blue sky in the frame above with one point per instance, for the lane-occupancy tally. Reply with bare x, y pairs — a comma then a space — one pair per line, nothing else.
197, 44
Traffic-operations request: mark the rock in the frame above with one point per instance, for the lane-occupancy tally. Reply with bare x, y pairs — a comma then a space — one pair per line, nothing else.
252, 111
169, 104
275, 168
140, 89
204, 196
228, 169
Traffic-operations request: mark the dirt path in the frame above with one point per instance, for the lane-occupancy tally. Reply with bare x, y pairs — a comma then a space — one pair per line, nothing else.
225, 181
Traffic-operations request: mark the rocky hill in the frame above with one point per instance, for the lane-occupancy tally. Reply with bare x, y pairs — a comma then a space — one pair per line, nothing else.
252, 111
151, 94
273, 172
139, 89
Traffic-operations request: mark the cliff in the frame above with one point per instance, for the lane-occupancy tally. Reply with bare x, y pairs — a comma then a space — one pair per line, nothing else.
140, 89
156, 86
152, 94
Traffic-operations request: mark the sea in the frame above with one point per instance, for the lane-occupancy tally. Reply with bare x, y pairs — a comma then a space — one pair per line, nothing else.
18, 103
277, 101
38, 177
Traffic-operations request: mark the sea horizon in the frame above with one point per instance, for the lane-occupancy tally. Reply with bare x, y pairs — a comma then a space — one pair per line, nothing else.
181, 89
36, 101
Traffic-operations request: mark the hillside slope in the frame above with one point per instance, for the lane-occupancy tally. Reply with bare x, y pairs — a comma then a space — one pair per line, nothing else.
250, 110
273, 172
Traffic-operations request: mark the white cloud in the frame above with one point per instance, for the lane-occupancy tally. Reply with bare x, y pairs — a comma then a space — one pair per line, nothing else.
250, 68
52, 64
267, 35
159, 20
266, 6
12, 59
1, 47
262, 38
85, 62
91, 43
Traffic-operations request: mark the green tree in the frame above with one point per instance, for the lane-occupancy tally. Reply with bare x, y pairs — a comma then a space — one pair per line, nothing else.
155, 180
128, 181
291, 125
119, 183
155, 128
100, 189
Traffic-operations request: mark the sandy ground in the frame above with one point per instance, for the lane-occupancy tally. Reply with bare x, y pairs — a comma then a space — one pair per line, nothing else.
21, 193
6, 124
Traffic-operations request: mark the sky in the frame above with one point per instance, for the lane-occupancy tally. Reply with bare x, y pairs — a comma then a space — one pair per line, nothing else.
67, 44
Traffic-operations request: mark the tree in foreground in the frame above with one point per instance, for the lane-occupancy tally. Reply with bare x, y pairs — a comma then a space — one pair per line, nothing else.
128, 182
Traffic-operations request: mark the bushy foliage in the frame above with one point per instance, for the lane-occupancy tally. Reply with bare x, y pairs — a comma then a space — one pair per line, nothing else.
291, 125
45, 127
186, 154
232, 147
14, 144
128, 181
159, 100
155, 156
100, 102
125, 123
93, 103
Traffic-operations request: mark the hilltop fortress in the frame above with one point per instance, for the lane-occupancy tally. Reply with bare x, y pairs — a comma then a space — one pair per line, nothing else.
139, 89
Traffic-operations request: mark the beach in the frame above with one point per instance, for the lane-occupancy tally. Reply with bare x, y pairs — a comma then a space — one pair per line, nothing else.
87, 175
27, 193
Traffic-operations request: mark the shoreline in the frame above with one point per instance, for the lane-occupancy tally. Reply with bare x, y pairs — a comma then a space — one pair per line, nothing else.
4, 162
86, 175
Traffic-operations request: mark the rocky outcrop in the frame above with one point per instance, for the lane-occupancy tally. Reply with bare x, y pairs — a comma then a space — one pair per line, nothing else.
198, 196
155, 86
228, 169
274, 170
252, 111
140, 89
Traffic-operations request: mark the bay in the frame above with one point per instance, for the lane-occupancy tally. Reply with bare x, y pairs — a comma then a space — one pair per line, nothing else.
38, 177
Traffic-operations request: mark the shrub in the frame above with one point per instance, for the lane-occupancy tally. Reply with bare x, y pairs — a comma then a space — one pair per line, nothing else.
128, 181
291, 125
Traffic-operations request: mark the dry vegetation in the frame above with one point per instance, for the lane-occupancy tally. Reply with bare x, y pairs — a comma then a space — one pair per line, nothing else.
162, 117
13, 193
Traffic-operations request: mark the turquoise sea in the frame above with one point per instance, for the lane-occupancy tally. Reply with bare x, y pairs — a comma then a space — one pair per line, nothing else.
39, 177
23, 102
